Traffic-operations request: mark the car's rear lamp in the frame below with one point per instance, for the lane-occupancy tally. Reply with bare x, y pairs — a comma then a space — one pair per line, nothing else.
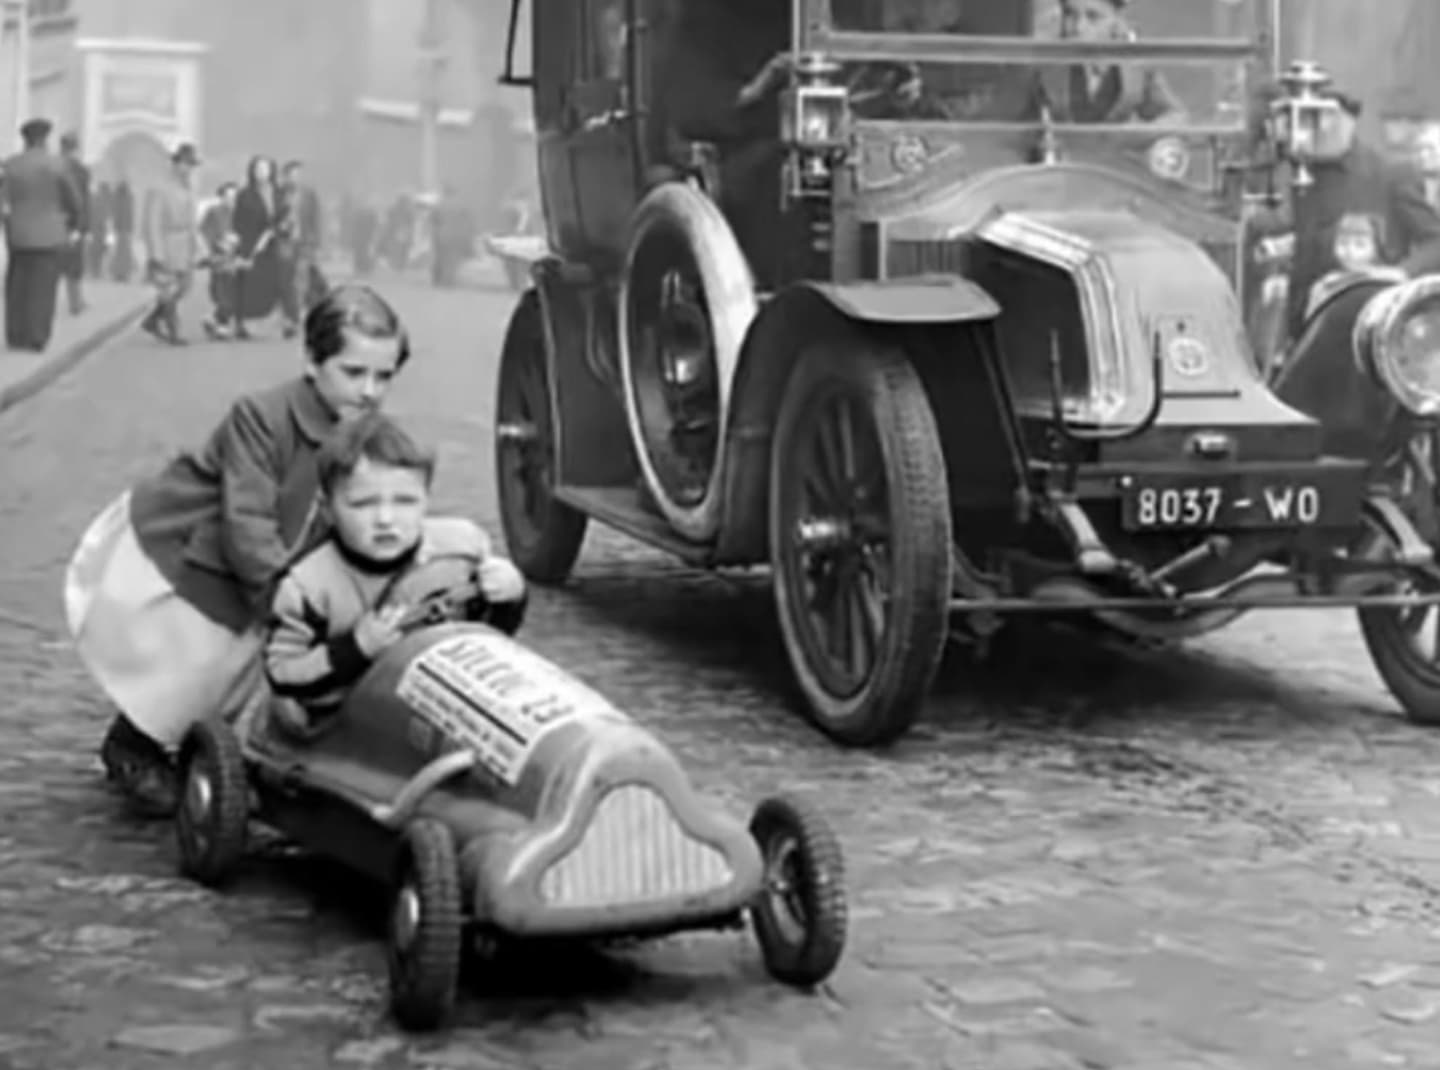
634, 851
1397, 342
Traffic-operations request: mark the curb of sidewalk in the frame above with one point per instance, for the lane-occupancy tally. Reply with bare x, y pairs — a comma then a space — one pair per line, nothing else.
56, 364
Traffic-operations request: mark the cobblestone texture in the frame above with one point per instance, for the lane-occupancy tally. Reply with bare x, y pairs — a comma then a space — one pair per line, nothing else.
1221, 858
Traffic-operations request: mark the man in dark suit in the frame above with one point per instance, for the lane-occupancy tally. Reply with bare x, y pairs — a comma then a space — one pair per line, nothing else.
1114, 94
42, 220
74, 266
1356, 184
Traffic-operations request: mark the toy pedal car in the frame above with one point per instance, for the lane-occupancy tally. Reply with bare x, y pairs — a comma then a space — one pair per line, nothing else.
501, 797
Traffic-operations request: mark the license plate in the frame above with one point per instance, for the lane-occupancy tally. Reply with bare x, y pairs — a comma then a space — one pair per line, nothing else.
1173, 503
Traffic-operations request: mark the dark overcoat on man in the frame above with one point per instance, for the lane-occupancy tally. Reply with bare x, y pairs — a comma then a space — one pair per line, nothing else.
1362, 182
42, 211
74, 266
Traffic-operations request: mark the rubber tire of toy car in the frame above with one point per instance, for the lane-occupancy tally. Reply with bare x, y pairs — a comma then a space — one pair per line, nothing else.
544, 546
820, 894
424, 981
884, 384
211, 748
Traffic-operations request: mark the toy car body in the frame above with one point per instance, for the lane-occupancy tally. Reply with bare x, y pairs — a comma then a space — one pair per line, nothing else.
937, 346
500, 796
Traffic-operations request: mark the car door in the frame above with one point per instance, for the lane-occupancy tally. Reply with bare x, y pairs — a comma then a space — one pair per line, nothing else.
555, 41
602, 126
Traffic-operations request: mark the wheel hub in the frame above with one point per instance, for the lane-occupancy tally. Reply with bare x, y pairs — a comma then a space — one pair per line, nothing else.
818, 535
517, 433
199, 796
405, 922
782, 886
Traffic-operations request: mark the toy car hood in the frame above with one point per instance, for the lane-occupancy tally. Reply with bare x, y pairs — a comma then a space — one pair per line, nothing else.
569, 816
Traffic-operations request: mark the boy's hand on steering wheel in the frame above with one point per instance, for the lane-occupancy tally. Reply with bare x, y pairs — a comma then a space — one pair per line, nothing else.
500, 580
378, 629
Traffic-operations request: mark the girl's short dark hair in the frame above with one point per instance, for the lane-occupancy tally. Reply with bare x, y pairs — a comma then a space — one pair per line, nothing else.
351, 307
375, 438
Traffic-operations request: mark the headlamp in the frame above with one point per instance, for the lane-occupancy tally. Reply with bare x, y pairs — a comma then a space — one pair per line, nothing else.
815, 119
1299, 117
1397, 341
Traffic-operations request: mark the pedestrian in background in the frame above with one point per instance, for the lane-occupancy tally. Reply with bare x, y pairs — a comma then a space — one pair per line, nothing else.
171, 245
300, 228
217, 229
42, 220
167, 594
122, 221
73, 270
257, 209
98, 244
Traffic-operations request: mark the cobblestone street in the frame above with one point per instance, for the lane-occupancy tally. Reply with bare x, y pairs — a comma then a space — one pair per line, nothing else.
1220, 858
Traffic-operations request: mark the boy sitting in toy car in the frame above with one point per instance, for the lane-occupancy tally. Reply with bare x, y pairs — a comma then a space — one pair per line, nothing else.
332, 616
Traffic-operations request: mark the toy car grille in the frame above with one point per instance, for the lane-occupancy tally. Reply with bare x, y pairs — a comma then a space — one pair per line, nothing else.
634, 850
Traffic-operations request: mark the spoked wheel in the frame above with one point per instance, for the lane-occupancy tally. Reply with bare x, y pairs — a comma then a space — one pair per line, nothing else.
214, 804
1405, 643
800, 916
543, 535
427, 928
860, 540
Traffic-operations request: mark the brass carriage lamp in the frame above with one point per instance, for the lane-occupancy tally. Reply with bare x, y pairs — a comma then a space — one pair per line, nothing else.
815, 121
1300, 115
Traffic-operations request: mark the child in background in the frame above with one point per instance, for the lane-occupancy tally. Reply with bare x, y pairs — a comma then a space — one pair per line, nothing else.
327, 625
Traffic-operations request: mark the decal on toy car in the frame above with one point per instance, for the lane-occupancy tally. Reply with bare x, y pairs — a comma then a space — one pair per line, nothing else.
493, 696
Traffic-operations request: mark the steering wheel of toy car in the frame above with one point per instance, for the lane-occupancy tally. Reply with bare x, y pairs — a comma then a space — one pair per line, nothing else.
875, 91
465, 601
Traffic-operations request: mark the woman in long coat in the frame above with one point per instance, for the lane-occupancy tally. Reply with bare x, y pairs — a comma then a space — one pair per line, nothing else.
257, 221
169, 588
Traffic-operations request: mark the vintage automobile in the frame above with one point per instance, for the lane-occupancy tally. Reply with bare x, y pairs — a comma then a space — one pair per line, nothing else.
501, 798
936, 308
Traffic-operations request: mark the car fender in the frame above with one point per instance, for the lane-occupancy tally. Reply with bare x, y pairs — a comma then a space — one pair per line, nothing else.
792, 319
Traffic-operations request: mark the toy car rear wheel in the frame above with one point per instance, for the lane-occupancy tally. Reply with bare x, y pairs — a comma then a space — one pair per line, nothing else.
213, 810
860, 539
800, 915
543, 535
427, 928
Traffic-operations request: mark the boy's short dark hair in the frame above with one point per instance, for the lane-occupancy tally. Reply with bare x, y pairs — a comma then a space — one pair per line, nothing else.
375, 438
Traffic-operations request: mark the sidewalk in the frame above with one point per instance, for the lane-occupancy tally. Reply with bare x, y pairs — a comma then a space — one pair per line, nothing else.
112, 309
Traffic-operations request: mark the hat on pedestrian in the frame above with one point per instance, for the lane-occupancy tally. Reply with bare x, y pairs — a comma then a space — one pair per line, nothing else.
36, 129
185, 153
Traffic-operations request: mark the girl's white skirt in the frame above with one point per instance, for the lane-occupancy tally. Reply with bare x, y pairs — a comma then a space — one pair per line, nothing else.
158, 658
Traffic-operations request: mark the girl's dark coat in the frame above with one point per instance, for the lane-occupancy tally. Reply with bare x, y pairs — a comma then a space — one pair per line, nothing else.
222, 523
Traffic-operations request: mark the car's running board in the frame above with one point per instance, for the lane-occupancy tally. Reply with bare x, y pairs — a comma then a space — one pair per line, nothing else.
622, 508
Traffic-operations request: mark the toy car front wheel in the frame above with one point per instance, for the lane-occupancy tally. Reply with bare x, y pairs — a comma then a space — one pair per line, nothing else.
543, 535
800, 915
427, 928
214, 804
860, 539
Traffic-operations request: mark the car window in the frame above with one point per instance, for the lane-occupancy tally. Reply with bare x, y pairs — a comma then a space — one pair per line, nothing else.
608, 41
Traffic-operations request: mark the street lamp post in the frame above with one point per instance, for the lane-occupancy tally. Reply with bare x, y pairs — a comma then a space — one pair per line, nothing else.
432, 70
17, 14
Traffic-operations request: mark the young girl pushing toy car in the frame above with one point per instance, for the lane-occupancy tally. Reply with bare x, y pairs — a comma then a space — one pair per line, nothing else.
331, 618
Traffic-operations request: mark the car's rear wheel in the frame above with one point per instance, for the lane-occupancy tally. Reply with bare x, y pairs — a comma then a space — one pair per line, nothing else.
213, 810
860, 540
1405, 643
543, 535
800, 915
427, 928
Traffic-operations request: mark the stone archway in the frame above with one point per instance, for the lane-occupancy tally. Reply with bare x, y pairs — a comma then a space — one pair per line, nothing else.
137, 157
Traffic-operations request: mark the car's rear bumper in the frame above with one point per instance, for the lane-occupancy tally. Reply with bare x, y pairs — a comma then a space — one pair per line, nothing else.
627, 847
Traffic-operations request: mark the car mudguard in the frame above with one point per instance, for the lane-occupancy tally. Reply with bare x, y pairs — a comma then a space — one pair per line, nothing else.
926, 299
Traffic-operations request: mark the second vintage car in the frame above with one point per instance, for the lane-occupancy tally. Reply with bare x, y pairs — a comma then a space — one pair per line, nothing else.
936, 309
